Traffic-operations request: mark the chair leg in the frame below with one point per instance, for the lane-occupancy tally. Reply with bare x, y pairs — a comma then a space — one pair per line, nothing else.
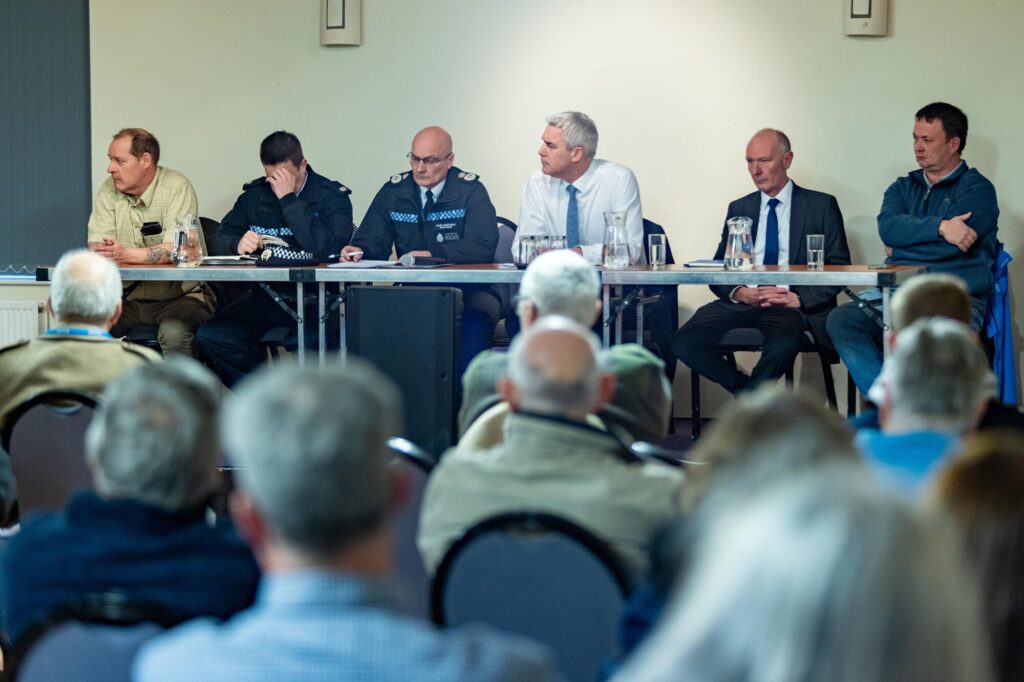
851, 397
830, 384
694, 405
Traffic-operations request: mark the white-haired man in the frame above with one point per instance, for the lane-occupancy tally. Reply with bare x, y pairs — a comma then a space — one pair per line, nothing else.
564, 283
313, 499
933, 389
78, 352
551, 459
571, 191
153, 452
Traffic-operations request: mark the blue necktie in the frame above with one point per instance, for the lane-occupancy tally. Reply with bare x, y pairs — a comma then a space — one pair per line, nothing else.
771, 237
572, 219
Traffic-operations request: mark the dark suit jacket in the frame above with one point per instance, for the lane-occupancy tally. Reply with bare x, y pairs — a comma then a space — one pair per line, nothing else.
812, 213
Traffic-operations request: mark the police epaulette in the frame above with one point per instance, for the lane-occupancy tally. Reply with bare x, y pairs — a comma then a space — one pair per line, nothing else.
254, 183
398, 177
468, 177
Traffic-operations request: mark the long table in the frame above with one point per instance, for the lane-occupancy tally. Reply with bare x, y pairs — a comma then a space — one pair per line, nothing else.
886, 278
223, 273
832, 275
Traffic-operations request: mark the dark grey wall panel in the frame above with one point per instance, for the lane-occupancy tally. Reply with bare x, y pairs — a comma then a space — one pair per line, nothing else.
44, 129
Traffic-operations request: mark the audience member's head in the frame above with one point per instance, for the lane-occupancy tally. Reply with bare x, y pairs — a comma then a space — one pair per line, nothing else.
554, 370
154, 438
936, 379
983, 492
85, 288
311, 447
769, 433
822, 576
559, 282
930, 295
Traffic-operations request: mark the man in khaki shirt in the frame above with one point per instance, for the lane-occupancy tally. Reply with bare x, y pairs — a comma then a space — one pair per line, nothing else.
132, 223
77, 353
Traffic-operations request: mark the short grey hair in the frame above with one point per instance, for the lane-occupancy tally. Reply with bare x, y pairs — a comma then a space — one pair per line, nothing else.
577, 129
822, 577
311, 447
562, 282
937, 376
84, 287
768, 434
544, 388
154, 437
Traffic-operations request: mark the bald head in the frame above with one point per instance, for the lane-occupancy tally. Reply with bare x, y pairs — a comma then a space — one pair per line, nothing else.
85, 288
431, 156
554, 370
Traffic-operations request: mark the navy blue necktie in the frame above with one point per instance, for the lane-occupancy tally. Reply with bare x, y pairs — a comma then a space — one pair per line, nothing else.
572, 219
428, 205
771, 236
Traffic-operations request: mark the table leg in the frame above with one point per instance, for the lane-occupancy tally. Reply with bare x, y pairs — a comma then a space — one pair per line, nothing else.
606, 308
321, 305
300, 311
618, 318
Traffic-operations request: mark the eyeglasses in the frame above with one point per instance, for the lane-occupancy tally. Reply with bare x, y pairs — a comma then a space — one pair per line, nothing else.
429, 161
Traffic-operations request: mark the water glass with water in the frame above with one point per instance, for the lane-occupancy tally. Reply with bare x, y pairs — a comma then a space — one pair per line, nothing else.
815, 252
657, 249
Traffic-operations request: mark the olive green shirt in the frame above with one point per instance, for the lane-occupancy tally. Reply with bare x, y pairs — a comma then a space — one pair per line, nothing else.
117, 215
64, 362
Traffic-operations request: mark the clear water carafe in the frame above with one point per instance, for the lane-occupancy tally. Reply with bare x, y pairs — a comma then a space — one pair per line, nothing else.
188, 243
739, 246
616, 241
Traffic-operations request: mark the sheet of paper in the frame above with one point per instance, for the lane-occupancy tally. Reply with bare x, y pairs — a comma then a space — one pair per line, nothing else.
360, 264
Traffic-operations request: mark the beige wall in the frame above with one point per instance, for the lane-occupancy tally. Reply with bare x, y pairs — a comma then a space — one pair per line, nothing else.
676, 88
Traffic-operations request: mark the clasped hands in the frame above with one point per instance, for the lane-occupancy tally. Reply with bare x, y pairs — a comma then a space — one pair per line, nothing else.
766, 297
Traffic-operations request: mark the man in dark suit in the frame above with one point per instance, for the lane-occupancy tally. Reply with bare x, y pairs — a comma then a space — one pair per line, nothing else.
783, 214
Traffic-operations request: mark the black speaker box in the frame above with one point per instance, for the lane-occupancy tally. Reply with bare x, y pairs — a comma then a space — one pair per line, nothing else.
411, 334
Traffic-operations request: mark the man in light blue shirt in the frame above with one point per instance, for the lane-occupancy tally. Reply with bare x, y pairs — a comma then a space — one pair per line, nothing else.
932, 390
314, 493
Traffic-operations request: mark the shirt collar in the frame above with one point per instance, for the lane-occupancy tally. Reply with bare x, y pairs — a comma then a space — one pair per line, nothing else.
146, 199
785, 195
583, 182
435, 190
932, 184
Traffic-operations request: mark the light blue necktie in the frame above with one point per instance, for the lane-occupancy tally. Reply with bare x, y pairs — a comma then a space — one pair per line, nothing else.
771, 237
572, 219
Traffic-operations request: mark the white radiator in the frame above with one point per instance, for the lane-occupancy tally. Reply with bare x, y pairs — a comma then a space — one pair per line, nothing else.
20, 320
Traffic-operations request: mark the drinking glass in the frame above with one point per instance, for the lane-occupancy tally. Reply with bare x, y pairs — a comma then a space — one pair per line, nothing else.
815, 252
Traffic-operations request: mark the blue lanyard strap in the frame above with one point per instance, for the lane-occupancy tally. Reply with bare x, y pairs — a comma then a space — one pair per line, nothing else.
73, 331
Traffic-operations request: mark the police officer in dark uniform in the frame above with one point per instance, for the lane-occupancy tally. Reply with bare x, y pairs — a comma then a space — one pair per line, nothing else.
290, 217
441, 212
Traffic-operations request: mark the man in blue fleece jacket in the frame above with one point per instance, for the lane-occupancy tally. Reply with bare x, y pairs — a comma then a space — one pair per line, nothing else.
944, 216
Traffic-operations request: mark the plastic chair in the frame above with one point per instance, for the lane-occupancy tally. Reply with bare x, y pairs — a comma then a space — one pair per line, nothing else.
45, 437
657, 308
408, 563
506, 292
751, 339
93, 639
541, 576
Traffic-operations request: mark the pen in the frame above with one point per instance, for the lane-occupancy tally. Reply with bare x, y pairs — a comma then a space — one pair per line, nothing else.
352, 254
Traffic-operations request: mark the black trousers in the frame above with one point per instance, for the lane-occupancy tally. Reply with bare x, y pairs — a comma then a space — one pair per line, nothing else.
783, 329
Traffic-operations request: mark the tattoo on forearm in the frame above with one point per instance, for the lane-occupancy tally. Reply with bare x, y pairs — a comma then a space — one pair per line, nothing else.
157, 254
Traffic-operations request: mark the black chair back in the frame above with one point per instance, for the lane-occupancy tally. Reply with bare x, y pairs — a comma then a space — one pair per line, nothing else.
541, 576
45, 437
93, 639
417, 463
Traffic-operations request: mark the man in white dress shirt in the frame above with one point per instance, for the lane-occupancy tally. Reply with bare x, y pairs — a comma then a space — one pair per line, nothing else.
572, 190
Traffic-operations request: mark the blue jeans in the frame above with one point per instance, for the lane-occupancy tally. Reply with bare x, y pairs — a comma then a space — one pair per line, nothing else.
858, 338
